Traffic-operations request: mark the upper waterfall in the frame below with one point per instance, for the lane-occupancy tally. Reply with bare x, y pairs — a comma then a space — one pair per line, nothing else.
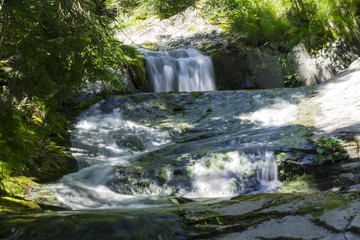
185, 70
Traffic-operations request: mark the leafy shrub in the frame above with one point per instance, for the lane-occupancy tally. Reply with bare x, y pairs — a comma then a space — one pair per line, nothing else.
291, 79
168, 8
288, 22
326, 149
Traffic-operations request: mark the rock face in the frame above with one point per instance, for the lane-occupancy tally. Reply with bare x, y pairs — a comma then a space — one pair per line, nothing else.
276, 216
324, 64
262, 216
188, 29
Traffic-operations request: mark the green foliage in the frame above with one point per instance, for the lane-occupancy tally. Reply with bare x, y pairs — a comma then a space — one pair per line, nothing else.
288, 22
259, 20
326, 149
51, 53
291, 79
168, 8
48, 50
129, 12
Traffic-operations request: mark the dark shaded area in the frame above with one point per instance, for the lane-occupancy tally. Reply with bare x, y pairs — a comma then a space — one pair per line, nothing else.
93, 224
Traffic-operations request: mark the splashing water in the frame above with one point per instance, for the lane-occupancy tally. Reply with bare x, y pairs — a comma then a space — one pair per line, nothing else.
279, 113
179, 70
233, 173
100, 141
106, 146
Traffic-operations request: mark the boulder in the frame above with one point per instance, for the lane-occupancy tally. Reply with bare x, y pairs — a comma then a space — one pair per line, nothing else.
317, 67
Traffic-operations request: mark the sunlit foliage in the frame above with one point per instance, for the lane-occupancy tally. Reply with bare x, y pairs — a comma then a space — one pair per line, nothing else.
288, 22
48, 50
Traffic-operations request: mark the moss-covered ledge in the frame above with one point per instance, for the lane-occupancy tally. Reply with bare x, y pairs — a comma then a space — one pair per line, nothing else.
21, 194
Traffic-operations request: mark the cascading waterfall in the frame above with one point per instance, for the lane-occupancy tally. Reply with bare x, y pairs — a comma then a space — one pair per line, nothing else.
99, 142
103, 141
223, 175
185, 70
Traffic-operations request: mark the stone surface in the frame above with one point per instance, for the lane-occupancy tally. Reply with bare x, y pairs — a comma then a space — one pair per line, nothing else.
265, 68
276, 216
324, 64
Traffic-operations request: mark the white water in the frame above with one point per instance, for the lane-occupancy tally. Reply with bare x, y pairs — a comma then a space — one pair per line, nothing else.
279, 113
224, 175
179, 70
99, 142
103, 140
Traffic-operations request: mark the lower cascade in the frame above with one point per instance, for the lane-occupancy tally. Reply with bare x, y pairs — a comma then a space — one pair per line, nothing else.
185, 70
110, 151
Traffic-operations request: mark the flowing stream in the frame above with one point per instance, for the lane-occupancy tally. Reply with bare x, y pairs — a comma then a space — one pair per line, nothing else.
99, 142
102, 141
141, 157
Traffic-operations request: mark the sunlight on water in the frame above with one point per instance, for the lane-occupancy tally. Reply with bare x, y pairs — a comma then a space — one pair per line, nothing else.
232, 173
279, 113
110, 138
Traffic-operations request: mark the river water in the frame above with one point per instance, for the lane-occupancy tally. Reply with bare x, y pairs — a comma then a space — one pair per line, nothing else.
144, 157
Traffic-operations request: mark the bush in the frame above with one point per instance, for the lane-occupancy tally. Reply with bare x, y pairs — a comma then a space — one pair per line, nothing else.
288, 22
327, 149
48, 50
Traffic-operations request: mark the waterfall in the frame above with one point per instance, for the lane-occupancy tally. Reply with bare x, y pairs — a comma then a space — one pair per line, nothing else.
223, 175
101, 141
108, 149
268, 175
185, 70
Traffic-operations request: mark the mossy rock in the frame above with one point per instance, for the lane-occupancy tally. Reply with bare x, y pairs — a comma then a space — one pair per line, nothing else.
87, 103
137, 73
130, 142
21, 187
48, 166
303, 184
11, 205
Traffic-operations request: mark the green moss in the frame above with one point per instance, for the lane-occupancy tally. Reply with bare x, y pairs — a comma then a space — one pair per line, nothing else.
161, 106
178, 108
318, 204
137, 98
196, 94
15, 205
137, 73
150, 45
305, 183
163, 175
18, 186
87, 103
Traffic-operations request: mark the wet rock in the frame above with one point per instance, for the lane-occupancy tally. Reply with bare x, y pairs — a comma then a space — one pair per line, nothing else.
313, 216
132, 142
343, 217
